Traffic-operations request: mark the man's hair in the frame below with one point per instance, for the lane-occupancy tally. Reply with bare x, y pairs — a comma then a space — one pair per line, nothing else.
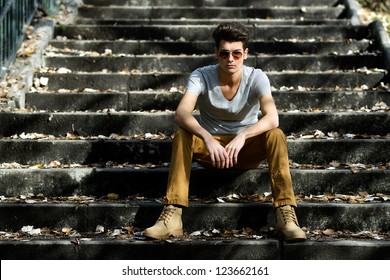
231, 32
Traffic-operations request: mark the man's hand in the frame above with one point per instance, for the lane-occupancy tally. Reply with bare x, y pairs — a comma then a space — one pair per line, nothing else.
219, 156
224, 157
233, 148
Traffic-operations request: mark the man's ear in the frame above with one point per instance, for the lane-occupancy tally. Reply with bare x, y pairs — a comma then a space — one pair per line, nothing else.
246, 53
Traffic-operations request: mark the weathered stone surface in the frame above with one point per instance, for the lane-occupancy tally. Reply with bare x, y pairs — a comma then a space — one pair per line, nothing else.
125, 64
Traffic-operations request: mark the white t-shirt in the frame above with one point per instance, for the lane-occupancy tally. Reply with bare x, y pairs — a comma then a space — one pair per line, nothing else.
219, 115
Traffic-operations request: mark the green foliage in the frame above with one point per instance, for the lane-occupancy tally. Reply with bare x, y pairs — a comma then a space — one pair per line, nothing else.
376, 5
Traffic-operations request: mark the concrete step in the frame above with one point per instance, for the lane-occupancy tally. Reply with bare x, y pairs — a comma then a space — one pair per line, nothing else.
318, 152
203, 32
212, 3
220, 12
206, 47
211, 21
116, 249
165, 100
74, 193
171, 63
131, 123
125, 81
131, 181
85, 216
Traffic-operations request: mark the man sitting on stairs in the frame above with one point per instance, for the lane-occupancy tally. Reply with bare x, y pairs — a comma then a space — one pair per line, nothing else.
229, 133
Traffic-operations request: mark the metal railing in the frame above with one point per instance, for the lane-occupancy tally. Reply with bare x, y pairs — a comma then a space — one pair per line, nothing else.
14, 15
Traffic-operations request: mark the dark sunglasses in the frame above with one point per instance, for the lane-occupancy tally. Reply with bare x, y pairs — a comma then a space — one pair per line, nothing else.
225, 54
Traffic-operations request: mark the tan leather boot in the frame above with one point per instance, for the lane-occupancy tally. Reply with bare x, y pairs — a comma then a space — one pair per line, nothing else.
168, 224
287, 224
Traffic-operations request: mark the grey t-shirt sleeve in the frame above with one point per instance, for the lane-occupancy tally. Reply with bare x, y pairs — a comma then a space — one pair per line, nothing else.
260, 83
196, 83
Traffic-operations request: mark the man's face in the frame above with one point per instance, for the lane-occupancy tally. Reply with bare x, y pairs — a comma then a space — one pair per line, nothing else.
231, 56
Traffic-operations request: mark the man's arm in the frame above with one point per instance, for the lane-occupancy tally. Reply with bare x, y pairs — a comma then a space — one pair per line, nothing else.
185, 119
269, 120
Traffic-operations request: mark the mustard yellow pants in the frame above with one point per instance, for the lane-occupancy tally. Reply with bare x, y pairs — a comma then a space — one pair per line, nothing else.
271, 145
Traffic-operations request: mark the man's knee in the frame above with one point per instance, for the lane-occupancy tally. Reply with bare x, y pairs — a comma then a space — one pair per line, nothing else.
275, 133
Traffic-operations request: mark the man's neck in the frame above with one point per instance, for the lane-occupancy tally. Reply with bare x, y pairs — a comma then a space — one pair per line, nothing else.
227, 79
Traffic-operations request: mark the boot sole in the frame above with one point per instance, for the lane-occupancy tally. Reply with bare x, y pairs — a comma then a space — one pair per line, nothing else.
291, 240
176, 233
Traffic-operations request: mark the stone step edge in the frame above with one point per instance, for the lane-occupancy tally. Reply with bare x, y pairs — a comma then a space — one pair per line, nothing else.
163, 139
258, 216
171, 113
202, 32
204, 249
85, 201
203, 56
176, 91
122, 123
100, 3
286, 100
189, 48
153, 168
157, 12
195, 26
364, 79
367, 72
97, 181
252, 42
145, 64
212, 21
181, 7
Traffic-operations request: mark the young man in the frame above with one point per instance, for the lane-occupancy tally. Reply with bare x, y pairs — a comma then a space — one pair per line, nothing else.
229, 134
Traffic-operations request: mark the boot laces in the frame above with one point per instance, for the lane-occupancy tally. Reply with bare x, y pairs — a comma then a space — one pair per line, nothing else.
289, 215
166, 214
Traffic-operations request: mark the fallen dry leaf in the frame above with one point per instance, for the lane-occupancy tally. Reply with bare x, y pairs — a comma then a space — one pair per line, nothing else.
113, 196
329, 232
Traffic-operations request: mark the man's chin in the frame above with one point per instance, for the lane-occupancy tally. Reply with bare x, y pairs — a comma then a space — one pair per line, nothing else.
231, 69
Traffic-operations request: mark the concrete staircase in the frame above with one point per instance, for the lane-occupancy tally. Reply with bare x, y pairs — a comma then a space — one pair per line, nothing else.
86, 165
